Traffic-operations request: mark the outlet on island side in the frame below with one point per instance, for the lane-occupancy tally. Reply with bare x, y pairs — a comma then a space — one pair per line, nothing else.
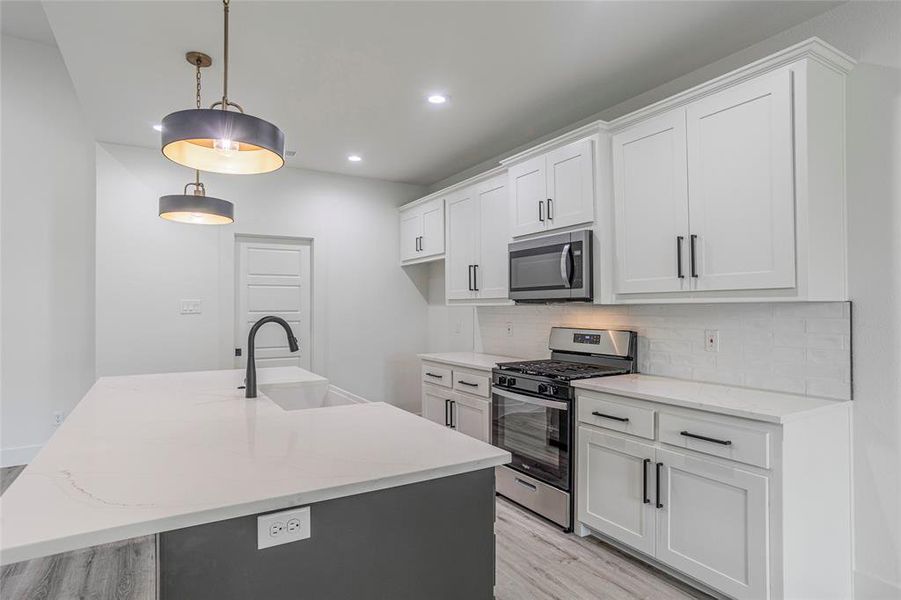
283, 527
712, 340
509, 327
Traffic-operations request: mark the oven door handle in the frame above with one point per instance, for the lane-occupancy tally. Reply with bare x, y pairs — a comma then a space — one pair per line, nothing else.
531, 399
565, 270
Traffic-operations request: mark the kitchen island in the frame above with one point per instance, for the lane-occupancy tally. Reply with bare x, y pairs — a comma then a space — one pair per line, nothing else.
399, 507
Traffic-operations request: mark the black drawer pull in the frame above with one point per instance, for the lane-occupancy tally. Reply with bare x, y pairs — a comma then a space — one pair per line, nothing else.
705, 438
620, 419
435, 376
644, 481
467, 383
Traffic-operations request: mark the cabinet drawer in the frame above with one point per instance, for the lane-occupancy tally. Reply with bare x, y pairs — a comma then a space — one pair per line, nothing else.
471, 383
432, 373
727, 440
602, 410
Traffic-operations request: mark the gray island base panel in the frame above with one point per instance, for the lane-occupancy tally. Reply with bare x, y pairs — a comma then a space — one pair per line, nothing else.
431, 540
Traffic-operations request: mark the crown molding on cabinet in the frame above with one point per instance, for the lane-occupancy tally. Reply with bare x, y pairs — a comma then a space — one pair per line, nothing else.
459, 185
561, 140
813, 48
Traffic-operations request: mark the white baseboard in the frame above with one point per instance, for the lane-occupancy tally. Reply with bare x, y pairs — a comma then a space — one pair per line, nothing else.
872, 587
21, 455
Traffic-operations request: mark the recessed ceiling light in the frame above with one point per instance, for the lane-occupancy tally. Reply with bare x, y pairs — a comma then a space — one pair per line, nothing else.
158, 127
354, 158
437, 99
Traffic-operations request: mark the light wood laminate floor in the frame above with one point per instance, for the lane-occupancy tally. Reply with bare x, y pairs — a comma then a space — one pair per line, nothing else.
535, 561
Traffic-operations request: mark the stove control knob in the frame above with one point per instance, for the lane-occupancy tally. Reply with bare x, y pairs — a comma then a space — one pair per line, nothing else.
501, 380
552, 390
511, 381
542, 388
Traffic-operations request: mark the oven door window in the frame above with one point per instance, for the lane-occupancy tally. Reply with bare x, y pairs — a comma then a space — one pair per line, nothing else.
537, 436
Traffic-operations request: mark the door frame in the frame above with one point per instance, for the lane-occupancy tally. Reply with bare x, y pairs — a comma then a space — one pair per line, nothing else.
228, 265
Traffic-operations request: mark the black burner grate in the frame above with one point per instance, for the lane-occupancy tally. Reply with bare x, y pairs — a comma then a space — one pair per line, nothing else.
560, 369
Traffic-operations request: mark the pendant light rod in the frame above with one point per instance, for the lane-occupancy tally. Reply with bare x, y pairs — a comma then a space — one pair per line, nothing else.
225, 58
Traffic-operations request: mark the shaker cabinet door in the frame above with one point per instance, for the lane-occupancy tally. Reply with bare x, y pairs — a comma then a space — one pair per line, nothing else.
492, 280
462, 234
528, 192
570, 185
741, 185
616, 488
651, 206
410, 230
713, 524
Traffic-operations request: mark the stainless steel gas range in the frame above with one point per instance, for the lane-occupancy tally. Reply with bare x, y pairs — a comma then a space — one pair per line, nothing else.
532, 415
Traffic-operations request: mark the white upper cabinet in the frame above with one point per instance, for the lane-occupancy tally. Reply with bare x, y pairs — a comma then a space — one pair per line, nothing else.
740, 186
462, 237
528, 190
422, 231
651, 202
477, 238
734, 190
553, 190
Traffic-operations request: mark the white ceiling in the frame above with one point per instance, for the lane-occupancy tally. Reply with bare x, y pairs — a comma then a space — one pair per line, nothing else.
351, 77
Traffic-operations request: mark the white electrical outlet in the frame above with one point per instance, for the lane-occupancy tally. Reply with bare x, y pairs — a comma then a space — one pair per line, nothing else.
190, 307
509, 328
712, 340
283, 527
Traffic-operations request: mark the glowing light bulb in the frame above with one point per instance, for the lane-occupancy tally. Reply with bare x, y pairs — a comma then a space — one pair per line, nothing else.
226, 147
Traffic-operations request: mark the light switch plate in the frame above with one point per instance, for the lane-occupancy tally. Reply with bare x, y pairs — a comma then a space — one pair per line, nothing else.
190, 307
283, 527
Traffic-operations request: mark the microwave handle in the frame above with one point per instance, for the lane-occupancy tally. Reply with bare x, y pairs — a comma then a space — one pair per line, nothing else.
565, 260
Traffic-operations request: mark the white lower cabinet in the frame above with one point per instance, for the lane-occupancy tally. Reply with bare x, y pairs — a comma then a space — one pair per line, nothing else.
466, 407
614, 494
712, 523
705, 504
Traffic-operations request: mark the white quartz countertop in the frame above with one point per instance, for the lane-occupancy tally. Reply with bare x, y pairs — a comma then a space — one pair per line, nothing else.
473, 360
759, 405
150, 453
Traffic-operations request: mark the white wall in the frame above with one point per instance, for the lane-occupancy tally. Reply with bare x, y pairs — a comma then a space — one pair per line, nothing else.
47, 241
871, 33
369, 315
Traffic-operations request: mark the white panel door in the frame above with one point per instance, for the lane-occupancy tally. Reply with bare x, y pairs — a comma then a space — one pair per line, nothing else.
650, 181
472, 417
492, 280
410, 230
615, 488
435, 406
462, 236
570, 185
528, 196
432, 241
741, 185
273, 278
713, 524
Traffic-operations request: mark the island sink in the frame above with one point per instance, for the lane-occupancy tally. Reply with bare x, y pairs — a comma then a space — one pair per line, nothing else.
305, 394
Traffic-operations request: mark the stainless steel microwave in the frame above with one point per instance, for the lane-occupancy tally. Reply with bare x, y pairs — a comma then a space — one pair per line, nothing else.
554, 268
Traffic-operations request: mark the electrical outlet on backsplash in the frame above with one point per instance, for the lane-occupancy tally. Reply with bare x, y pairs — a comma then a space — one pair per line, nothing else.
802, 348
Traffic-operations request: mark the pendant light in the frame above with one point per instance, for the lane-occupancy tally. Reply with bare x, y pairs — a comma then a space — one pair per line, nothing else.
197, 208
221, 140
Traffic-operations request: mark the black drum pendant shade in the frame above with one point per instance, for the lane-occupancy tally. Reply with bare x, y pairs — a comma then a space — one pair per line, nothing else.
222, 141
196, 210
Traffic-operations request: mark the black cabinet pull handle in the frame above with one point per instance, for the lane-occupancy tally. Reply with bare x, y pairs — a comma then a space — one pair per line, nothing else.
550, 209
620, 419
470, 277
420, 243
447, 413
475, 278
693, 253
659, 467
644, 481
453, 405
679, 240
705, 438
435, 375
541, 211
467, 383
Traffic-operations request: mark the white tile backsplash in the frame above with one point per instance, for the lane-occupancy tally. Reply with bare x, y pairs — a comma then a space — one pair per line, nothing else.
799, 348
